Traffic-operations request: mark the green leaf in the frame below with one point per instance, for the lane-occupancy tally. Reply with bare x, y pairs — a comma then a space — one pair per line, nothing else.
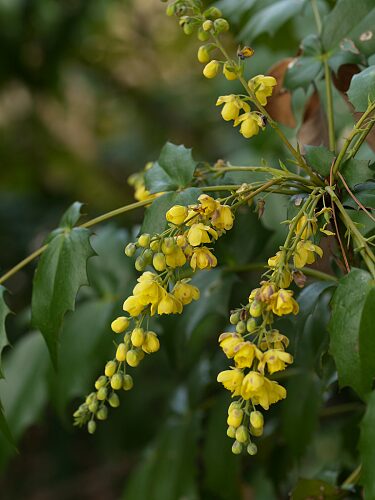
343, 18
362, 89
365, 193
352, 346
71, 216
4, 428
60, 273
271, 18
304, 69
173, 170
367, 449
320, 159
4, 311
168, 469
155, 221
315, 489
356, 172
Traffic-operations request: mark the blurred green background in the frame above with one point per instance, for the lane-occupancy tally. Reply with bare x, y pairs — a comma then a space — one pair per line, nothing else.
90, 92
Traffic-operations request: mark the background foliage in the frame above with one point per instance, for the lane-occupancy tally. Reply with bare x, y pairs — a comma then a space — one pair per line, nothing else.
89, 93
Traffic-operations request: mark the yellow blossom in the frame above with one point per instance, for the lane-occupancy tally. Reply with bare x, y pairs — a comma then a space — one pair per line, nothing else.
207, 204
310, 227
231, 380
277, 339
244, 354
304, 253
202, 258
199, 233
133, 306
229, 341
251, 123
283, 303
260, 390
262, 86
141, 193
185, 293
232, 106
169, 304
229, 72
176, 214
176, 258
266, 291
275, 360
151, 343
222, 218
211, 69
275, 260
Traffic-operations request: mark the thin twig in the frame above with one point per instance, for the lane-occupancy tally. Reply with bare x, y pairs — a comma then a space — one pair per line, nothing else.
355, 198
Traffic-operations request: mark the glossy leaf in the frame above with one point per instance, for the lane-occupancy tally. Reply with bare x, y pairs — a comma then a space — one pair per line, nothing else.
320, 159
60, 273
4, 311
316, 489
356, 172
365, 193
352, 346
362, 89
304, 69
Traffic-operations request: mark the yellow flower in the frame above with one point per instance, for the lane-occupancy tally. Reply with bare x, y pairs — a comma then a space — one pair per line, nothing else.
176, 258
141, 193
245, 352
207, 204
275, 260
275, 360
231, 380
185, 293
133, 306
211, 69
199, 233
304, 253
202, 258
310, 227
229, 341
260, 390
276, 338
266, 291
283, 303
222, 218
262, 86
232, 106
176, 214
229, 72
169, 304
151, 343
120, 324
251, 123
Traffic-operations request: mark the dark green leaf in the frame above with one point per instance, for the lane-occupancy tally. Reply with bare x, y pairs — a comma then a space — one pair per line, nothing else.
356, 172
271, 18
363, 35
157, 180
155, 221
320, 159
60, 273
4, 311
4, 428
168, 470
314, 489
362, 89
71, 216
343, 19
305, 68
365, 193
367, 449
349, 346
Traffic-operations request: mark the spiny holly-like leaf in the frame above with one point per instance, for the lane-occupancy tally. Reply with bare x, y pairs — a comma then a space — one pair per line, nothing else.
362, 89
173, 170
60, 273
352, 343
303, 69
367, 449
319, 158
4, 311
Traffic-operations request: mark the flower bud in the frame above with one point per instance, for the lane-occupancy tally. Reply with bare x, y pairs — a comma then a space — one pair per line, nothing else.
130, 249
231, 432
167, 246
256, 309
177, 214
140, 263
90, 398
181, 240
242, 434
188, 28
235, 418
132, 358
203, 36
102, 413
256, 419
154, 245
236, 448
101, 382
121, 352
251, 325
120, 324
159, 262
114, 400
236, 405
116, 381
151, 343
221, 25
211, 69
252, 449
256, 432
127, 382
229, 72
147, 256
241, 327
102, 394
203, 55
110, 368
234, 318
144, 240
137, 337
170, 10
207, 25
91, 426
93, 406
213, 12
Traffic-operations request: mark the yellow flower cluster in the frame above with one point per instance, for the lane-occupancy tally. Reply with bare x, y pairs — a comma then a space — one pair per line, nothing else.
137, 181
254, 358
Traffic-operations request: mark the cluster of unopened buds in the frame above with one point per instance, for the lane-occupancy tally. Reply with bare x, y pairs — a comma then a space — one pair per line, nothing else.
162, 259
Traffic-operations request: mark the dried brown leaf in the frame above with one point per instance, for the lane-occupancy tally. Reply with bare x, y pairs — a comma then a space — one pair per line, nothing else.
314, 130
280, 103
